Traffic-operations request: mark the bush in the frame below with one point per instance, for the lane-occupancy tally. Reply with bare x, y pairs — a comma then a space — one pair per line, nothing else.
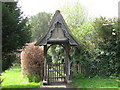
78, 76
32, 62
33, 78
7, 60
17, 62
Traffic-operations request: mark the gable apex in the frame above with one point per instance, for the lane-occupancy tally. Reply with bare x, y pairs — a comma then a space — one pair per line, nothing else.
58, 32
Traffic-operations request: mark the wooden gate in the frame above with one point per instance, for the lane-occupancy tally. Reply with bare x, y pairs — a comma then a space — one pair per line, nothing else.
56, 73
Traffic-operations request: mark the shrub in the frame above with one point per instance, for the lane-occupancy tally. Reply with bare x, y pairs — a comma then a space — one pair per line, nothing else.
32, 62
78, 76
7, 60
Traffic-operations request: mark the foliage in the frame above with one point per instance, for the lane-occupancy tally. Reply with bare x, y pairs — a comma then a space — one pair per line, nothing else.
56, 52
95, 83
77, 20
17, 61
39, 24
15, 31
74, 14
8, 59
106, 56
99, 52
32, 59
33, 78
99, 40
13, 79
78, 76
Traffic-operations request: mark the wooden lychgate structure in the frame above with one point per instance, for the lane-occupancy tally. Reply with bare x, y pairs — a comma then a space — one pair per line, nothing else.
58, 33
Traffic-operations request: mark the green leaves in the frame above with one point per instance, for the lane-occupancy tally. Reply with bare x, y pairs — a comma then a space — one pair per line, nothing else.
15, 32
99, 39
107, 47
39, 24
74, 14
13, 28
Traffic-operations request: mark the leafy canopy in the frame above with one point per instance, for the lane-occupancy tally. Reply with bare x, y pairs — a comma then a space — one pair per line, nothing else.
15, 32
39, 24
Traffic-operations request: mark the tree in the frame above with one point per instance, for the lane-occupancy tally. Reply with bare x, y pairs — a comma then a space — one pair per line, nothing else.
77, 20
99, 41
39, 24
56, 52
15, 32
74, 14
108, 45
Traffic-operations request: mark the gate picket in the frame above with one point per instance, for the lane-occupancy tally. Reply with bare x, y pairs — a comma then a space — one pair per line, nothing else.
56, 73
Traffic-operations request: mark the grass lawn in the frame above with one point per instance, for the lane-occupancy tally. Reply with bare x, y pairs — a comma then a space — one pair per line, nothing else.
13, 79
96, 83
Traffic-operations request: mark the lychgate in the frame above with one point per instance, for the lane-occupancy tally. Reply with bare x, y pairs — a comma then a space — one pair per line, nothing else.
58, 33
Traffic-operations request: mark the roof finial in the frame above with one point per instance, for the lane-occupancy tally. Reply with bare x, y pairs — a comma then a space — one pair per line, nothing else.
58, 11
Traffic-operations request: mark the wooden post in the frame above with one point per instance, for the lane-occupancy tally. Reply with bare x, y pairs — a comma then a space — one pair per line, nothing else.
67, 48
48, 73
68, 62
65, 65
45, 65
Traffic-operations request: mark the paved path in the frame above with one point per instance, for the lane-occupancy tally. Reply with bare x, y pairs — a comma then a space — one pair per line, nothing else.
53, 86
58, 86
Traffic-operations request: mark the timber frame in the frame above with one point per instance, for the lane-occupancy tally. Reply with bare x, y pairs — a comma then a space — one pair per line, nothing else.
58, 33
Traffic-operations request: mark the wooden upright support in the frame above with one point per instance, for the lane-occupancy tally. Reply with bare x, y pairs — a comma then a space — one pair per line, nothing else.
67, 49
45, 65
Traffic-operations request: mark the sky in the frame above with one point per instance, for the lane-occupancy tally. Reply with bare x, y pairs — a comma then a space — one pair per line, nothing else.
95, 8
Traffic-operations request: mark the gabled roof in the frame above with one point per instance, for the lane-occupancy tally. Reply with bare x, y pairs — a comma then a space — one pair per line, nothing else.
47, 37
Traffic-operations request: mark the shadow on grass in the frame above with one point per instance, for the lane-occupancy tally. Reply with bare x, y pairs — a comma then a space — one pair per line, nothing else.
19, 87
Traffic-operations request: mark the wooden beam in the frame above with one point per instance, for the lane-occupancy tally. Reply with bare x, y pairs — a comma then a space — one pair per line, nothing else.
67, 47
45, 65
